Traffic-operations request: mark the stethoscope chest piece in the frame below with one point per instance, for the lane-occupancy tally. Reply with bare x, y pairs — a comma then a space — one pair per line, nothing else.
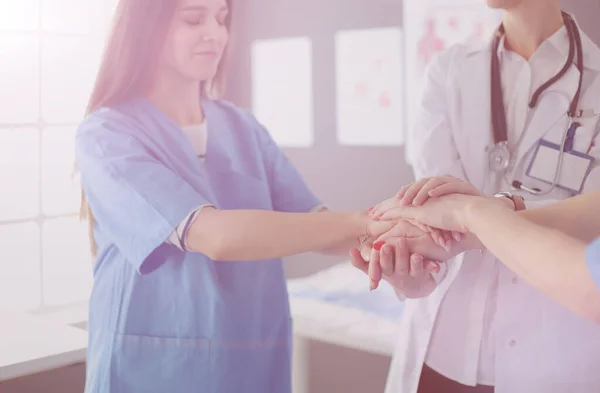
499, 157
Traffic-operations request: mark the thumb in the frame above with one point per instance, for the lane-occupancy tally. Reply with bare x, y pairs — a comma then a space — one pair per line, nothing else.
358, 261
455, 188
401, 212
374, 270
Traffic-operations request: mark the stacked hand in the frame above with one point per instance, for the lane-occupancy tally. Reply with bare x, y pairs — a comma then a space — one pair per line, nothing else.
433, 213
389, 257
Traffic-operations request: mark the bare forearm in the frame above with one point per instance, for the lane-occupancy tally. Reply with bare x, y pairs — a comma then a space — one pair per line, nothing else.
546, 258
339, 249
469, 240
242, 235
578, 216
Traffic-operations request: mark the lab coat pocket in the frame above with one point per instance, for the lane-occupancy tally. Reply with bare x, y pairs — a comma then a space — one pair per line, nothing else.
149, 364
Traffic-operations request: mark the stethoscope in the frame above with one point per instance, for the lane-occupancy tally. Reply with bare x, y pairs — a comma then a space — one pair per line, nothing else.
499, 154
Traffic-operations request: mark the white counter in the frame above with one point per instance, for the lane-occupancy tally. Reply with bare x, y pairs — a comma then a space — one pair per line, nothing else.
33, 344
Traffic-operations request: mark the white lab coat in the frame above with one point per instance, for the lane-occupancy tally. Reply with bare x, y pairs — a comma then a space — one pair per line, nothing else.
563, 350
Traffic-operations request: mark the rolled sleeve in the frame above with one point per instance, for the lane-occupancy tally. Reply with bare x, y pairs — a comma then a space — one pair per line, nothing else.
136, 200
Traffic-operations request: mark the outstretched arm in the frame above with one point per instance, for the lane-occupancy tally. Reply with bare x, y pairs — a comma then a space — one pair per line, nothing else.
241, 235
578, 217
546, 245
550, 260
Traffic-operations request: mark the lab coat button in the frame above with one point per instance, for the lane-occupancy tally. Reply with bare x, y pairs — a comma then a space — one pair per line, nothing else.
512, 343
514, 280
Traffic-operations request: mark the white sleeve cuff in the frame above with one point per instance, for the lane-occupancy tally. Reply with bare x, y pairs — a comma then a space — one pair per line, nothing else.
177, 237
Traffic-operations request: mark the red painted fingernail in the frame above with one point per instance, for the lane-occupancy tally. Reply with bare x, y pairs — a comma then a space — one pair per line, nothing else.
377, 245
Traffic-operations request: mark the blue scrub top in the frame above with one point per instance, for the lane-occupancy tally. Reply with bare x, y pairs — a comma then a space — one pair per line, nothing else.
163, 320
592, 256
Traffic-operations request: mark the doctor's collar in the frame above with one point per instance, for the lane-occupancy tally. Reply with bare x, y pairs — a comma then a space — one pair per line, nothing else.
591, 52
558, 42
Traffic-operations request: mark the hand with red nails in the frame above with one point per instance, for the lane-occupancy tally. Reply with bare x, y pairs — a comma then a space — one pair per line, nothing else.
447, 213
419, 192
397, 257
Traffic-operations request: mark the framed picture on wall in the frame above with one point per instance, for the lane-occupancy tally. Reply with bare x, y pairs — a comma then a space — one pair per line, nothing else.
369, 83
282, 89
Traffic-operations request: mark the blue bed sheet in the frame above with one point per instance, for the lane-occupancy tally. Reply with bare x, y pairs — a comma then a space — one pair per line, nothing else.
381, 302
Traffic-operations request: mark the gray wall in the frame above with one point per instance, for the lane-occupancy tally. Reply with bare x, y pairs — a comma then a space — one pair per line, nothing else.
587, 13
344, 177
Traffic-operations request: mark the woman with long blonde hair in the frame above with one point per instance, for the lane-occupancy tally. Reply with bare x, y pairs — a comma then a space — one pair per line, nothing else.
191, 206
